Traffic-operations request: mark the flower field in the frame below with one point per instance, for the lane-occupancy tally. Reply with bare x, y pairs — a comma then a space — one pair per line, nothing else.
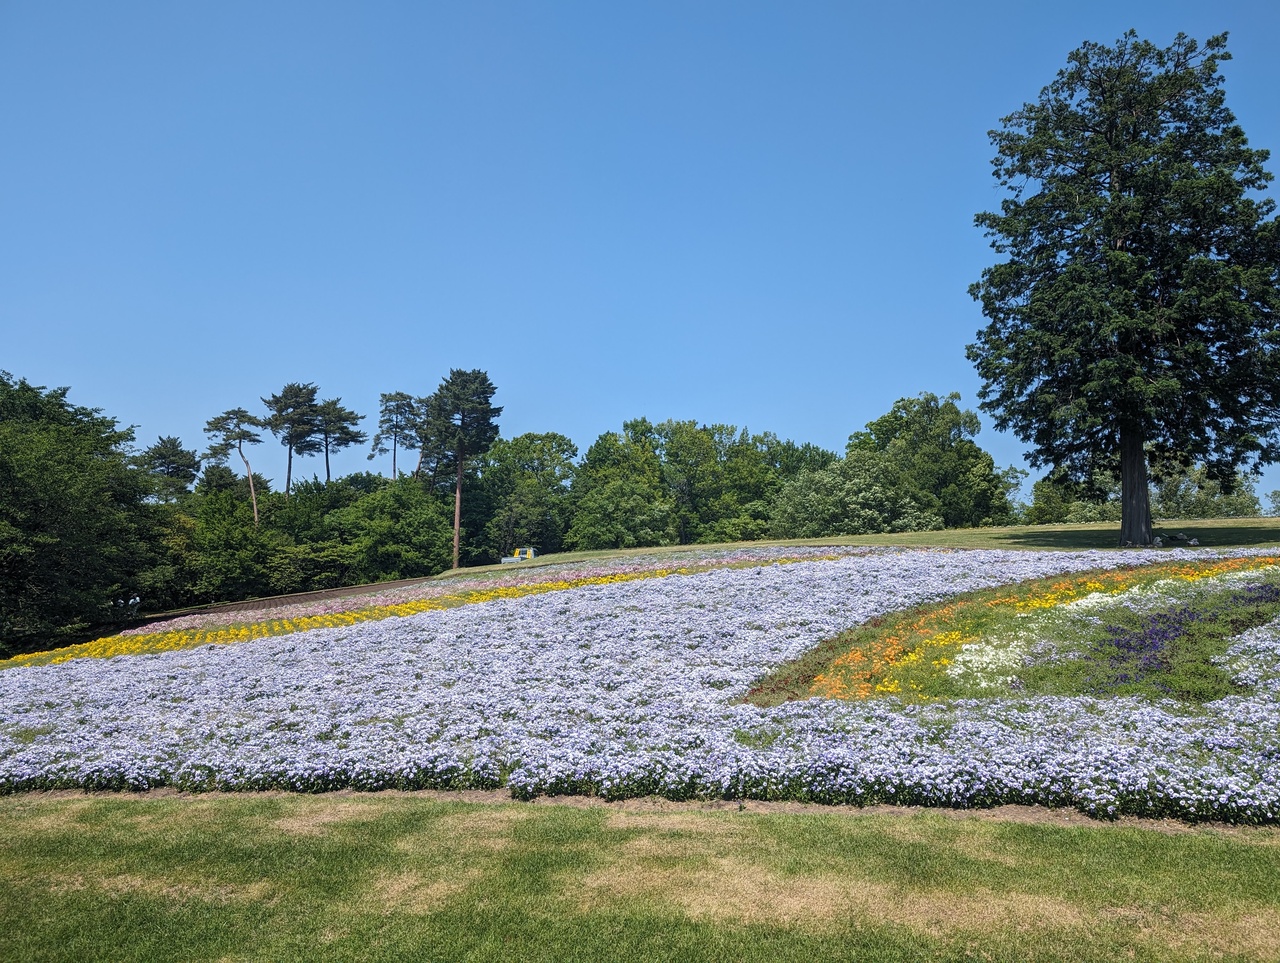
623, 686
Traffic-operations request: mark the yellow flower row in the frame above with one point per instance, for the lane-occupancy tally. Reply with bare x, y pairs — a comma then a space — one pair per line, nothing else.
1122, 580
111, 646
882, 663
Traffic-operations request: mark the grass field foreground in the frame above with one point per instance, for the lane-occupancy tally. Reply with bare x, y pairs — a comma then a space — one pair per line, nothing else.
397, 877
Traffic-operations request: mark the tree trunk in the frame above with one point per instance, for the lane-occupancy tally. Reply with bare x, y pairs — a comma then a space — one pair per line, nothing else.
457, 510
288, 472
326, 461
253, 496
1135, 495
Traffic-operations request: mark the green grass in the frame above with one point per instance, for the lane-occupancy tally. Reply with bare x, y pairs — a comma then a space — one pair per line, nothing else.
395, 877
1211, 533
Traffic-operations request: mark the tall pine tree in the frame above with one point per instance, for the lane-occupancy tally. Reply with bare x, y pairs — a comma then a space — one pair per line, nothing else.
462, 427
1135, 315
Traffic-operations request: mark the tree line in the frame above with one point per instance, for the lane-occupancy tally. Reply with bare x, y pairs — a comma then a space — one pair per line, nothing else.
88, 521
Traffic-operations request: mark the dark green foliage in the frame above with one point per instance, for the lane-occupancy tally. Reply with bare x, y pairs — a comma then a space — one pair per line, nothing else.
234, 428
399, 415
294, 418
172, 468
398, 531
1051, 502
232, 555
930, 453
74, 528
1181, 494
689, 483
1136, 312
336, 429
618, 497
916, 468
302, 516
1194, 494
621, 513
460, 422
527, 482
856, 496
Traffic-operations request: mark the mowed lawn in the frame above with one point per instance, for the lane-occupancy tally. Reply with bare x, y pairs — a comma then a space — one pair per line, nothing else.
393, 876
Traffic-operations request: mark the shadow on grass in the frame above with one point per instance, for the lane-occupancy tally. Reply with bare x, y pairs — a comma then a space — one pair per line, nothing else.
1212, 533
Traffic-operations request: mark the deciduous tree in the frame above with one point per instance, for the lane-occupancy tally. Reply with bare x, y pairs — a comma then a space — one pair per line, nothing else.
930, 452
73, 523
528, 481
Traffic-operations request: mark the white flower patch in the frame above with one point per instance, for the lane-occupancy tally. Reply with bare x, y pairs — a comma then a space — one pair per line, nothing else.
991, 663
1157, 596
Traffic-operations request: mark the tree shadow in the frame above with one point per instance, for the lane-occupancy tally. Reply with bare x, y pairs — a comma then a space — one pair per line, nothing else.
1210, 533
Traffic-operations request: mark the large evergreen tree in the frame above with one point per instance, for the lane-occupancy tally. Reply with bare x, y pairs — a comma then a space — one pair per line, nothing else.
172, 468
463, 426
1136, 313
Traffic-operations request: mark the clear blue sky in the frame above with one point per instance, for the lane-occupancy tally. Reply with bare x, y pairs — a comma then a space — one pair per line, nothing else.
749, 213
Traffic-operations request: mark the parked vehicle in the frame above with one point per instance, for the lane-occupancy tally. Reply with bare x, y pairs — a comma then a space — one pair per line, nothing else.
520, 555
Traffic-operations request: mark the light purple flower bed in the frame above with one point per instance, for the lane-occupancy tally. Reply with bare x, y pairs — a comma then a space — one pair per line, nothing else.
464, 582
626, 690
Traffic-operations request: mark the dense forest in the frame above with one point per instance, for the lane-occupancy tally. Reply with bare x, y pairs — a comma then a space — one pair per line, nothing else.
94, 528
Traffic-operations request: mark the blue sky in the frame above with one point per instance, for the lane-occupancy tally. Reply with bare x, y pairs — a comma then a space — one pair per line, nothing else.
746, 213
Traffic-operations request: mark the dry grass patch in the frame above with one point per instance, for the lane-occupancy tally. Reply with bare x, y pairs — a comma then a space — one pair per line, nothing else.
166, 888
484, 831
417, 895
729, 889
315, 817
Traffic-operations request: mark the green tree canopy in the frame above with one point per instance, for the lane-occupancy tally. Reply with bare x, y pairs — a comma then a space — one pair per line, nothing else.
336, 429
233, 429
399, 414
294, 418
397, 531
528, 479
463, 424
855, 496
171, 467
1136, 312
73, 523
618, 496
930, 452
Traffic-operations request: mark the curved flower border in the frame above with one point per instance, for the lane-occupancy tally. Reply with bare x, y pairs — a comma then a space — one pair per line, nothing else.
626, 689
